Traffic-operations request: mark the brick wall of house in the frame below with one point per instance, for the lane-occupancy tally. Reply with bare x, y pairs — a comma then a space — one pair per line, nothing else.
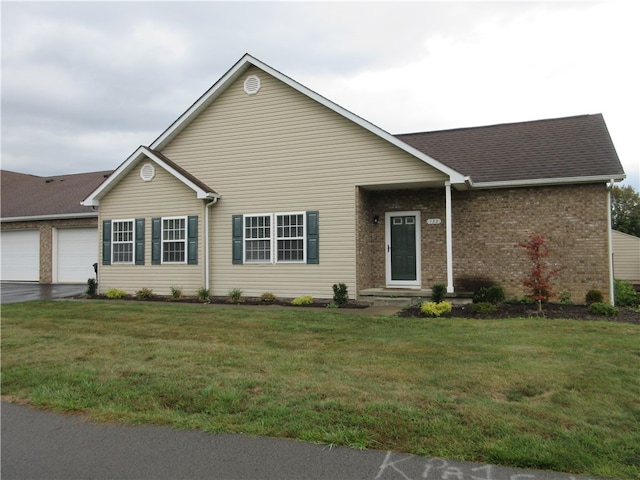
46, 238
488, 225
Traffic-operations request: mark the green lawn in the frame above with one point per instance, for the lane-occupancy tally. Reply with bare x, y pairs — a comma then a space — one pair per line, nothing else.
550, 394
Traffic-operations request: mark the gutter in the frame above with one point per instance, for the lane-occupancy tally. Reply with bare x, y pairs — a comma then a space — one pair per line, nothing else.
539, 182
214, 200
612, 293
64, 216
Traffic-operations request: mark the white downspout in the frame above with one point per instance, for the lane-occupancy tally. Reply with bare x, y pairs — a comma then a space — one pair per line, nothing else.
449, 224
612, 294
206, 242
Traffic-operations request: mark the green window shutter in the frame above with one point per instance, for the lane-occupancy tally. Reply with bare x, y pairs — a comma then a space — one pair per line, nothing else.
192, 240
106, 242
139, 253
156, 241
237, 239
313, 247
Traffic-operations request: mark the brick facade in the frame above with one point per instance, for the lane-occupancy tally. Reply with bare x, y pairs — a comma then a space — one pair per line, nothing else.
488, 225
46, 238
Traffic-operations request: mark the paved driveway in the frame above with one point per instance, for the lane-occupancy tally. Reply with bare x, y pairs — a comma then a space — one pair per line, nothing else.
26, 292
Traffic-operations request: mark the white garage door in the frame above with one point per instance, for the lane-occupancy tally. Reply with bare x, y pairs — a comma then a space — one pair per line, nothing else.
20, 255
77, 251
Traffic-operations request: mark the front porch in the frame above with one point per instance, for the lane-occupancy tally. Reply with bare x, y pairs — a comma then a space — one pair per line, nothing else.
404, 242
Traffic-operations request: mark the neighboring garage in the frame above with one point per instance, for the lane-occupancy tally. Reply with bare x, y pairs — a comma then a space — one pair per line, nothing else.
75, 252
48, 237
20, 255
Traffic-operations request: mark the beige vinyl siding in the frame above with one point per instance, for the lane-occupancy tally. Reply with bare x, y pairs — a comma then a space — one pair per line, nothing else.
280, 151
626, 256
164, 196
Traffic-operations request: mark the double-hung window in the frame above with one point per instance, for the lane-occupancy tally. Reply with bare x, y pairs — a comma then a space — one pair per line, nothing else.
290, 237
257, 238
174, 240
122, 241
275, 238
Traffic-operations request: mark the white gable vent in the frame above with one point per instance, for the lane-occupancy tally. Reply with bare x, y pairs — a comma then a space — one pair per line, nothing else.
252, 85
147, 172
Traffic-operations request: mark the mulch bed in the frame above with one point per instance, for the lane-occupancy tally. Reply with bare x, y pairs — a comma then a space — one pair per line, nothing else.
255, 301
507, 310
549, 310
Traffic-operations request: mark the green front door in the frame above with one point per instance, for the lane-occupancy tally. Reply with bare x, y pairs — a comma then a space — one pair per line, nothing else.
403, 248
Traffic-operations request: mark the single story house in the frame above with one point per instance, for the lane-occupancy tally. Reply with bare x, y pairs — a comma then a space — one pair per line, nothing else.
266, 186
46, 235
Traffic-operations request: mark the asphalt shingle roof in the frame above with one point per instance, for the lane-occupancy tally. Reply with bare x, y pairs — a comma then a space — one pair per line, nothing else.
23, 195
557, 148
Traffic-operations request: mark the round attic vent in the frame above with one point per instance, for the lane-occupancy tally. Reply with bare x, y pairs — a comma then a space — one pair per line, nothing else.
147, 172
252, 85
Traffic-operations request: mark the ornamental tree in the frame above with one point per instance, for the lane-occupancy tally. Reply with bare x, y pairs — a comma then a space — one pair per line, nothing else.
539, 279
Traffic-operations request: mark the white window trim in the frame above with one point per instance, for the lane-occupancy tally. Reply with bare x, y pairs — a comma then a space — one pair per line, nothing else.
133, 241
304, 237
273, 239
245, 239
163, 241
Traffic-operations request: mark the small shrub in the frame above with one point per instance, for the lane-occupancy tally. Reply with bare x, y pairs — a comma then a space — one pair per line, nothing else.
92, 287
438, 291
603, 308
304, 300
433, 309
483, 308
332, 305
176, 293
565, 298
340, 294
625, 295
268, 297
145, 294
115, 293
594, 296
235, 295
203, 295
493, 294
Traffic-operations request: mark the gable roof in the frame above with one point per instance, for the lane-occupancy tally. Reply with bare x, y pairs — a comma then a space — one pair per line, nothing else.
30, 197
245, 63
561, 150
200, 188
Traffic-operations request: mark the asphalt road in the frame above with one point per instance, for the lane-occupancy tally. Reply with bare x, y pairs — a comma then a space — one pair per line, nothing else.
43, 445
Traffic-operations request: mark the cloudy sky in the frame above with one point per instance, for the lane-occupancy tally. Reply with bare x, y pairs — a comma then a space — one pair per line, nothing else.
85, 83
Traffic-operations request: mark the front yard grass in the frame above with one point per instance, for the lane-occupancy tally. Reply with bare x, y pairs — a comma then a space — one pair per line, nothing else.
561, 395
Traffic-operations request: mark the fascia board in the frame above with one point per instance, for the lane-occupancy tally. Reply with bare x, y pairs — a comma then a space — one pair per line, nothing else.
211, 94
540, 182
35, 218
200, 193
244, 63
93, 200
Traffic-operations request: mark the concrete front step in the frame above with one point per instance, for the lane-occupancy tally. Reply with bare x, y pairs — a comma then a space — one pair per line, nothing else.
399, 297
405, 297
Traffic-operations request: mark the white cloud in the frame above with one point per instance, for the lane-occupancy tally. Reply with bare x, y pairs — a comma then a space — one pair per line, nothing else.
98, 74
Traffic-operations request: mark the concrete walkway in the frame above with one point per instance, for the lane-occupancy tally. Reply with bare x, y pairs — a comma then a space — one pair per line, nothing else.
43, 445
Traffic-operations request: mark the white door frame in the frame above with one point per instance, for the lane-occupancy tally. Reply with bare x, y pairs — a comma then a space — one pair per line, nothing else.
417, 283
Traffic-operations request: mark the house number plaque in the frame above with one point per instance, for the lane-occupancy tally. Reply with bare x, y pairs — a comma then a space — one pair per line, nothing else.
433, 221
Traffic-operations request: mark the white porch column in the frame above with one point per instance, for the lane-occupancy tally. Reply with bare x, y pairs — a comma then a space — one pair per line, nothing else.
449, 223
